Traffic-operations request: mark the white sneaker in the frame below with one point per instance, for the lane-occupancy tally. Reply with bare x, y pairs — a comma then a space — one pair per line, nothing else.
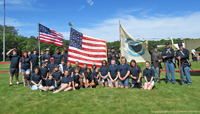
17, 83
55, 92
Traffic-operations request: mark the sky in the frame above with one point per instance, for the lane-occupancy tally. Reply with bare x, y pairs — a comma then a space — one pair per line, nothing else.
100, 18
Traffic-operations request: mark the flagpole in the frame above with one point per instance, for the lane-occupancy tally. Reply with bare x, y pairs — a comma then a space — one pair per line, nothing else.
39, 41
4, 35
120, 36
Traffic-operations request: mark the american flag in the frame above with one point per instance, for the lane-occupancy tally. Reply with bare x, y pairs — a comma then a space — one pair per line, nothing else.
86, 49
50, 36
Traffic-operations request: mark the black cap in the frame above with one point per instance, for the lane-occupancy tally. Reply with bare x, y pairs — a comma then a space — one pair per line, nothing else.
180, 44
154, 46
57, 49
112, 47
109, 47
166, 43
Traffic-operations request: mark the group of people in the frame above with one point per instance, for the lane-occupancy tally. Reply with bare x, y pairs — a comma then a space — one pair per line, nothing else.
55, 71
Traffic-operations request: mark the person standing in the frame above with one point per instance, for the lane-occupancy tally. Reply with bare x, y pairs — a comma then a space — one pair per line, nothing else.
155, 61
114, 55
112, 73
183, 54
34, 59
109, 55
123, 73
57, 56
25, 65
14, 65
65, 54
47, 55
103, 72
168, 55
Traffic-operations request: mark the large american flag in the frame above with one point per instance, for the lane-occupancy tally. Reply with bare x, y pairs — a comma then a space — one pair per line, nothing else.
50, 36
86, 49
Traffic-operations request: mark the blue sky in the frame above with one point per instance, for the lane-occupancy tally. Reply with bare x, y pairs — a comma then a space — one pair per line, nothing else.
100, 18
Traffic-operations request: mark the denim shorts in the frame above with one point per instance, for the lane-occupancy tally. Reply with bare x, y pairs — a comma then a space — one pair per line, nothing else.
23, 70
124, 82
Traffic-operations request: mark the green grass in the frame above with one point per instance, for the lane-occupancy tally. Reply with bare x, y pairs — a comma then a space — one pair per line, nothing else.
164, 97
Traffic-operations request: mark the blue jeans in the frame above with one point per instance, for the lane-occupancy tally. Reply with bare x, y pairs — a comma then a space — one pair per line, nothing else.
124, 82
185, 70
34, 87
25, 70
156, 69
170, 68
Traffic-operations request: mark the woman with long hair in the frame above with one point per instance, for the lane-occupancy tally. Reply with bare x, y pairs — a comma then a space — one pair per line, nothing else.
123, 72
36, 79
113, 75
103, 72
25, 66
135, 74
95, 74
89, 79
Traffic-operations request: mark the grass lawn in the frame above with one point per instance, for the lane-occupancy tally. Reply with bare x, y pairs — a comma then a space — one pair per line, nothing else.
164, 98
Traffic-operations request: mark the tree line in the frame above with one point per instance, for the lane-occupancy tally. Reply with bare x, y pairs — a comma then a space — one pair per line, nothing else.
22, 43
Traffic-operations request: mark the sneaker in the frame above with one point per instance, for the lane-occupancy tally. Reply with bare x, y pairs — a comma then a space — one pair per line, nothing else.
82, 87
55, 92
10, 85
24, 85
29, 85
17, 83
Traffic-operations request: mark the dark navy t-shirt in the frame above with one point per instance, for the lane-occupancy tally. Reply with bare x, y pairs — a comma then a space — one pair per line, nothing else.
57, 57
94, 73
51, 67
65, 55
57, 75
148, 73
26, 64
47, 57
44, 71
36, 78
103, 70
75, 77
123, 69
135, 73
66, 79
34, 59
113, 71
69, 69
50, 82
14, 61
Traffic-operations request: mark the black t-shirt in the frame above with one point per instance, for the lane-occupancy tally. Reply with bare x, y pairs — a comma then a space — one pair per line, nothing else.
50, 82
44, 71
25, 64
14, 61
34, 59
66, 79
51, 67
57, 75
36, 78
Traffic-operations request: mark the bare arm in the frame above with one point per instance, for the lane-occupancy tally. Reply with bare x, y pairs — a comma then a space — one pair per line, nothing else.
146, 79
110, 76
140, 75
8, 53
127, 74
116, 77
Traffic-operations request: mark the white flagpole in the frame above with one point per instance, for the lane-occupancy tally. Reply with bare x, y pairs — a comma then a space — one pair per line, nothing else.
39, 41
4, 35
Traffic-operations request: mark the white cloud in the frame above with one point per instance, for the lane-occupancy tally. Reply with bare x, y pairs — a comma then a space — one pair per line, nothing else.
13, 22
148, 27
81, 8
91, 3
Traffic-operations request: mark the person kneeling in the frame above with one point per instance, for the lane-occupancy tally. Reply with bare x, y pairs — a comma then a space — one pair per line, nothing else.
77, 79
36, 79
65, 82
89, 79
49, 84
148, 74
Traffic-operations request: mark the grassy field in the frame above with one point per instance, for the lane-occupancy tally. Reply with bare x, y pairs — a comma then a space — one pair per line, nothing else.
164, 98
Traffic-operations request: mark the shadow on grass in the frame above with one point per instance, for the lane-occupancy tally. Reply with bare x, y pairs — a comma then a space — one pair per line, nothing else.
196, 73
